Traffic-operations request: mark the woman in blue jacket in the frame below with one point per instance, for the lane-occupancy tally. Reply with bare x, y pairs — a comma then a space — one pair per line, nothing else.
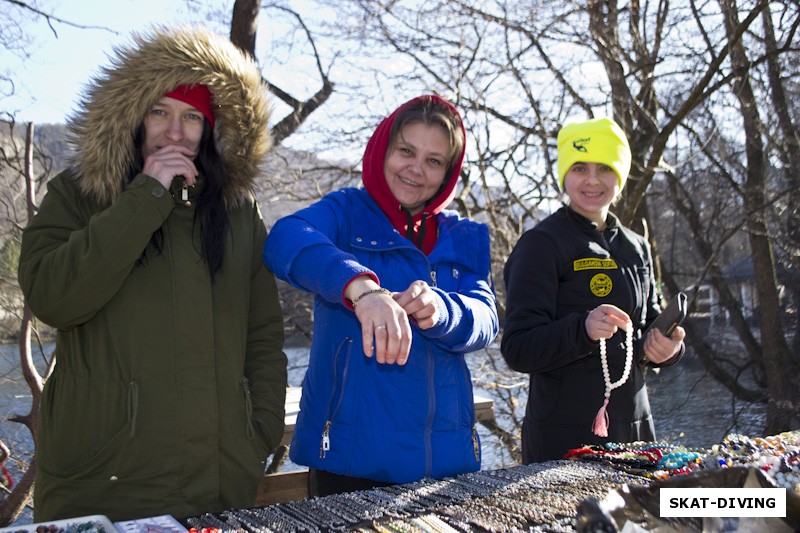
402, 291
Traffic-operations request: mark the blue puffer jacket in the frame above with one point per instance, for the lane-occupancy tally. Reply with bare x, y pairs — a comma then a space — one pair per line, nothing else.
386, 422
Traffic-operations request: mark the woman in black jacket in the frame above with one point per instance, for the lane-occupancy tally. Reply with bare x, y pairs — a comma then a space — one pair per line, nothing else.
580, 292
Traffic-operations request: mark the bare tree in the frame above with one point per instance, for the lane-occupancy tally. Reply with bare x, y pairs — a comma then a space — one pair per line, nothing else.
243, 34
787, 146
783, 408
742, 174
20, 162
16, 500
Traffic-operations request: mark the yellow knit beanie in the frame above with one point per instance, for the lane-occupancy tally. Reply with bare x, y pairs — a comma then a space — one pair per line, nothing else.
598, 140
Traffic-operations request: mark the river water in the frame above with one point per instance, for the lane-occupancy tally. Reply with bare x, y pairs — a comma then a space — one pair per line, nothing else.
690, 407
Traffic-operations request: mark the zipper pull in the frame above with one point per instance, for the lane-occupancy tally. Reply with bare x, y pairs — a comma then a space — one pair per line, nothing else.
185, 194
325, 445
433, 278
475, 445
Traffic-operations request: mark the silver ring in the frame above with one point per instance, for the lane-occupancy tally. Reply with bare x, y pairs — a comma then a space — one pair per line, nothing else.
604, 318
381, 326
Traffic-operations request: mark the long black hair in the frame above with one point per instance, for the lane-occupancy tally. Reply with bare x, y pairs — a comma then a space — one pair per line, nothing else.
210, 212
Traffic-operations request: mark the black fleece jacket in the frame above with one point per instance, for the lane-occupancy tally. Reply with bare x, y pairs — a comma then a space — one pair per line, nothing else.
557, 273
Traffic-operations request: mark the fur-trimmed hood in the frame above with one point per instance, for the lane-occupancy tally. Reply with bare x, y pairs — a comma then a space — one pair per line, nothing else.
115, 103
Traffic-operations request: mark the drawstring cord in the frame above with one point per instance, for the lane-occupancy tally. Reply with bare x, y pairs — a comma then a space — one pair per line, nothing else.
419, 239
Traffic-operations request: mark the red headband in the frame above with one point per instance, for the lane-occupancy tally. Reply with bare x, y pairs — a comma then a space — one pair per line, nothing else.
197, 96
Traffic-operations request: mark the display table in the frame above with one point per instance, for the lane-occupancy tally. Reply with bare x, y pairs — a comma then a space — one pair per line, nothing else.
492, 500
599, 489
566, 495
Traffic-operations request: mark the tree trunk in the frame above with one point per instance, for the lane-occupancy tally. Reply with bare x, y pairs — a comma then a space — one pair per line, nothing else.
781, 411
244, 22
790, 138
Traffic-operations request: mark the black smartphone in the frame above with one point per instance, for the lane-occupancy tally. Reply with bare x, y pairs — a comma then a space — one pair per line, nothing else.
671, 317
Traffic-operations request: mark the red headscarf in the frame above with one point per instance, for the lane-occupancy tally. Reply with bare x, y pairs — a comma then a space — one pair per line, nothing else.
422, 224
197, 96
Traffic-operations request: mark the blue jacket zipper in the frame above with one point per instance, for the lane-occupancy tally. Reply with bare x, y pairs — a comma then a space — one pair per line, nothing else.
335, 403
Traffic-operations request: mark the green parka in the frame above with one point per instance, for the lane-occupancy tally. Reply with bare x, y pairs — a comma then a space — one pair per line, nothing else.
168, 392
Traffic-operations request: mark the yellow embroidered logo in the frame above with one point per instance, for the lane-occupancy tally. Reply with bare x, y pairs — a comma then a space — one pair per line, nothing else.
593, 263
600, 285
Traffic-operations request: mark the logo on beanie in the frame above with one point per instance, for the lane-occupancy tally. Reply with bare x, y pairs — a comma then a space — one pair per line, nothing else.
578, 144
600, 285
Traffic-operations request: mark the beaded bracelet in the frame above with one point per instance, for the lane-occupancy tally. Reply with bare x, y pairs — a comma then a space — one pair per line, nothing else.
370, 291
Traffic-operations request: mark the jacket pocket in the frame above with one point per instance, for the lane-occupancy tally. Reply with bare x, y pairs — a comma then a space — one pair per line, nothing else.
84, 424
133, 406
249, 431
255, 435
341, 364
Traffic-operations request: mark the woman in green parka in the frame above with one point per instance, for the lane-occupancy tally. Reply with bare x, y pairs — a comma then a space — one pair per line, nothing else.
168, 392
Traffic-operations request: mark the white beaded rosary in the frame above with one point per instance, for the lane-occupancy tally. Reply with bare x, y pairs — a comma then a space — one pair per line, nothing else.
600, 425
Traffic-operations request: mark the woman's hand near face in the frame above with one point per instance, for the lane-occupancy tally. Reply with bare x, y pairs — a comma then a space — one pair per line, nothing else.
421, 303
170, 161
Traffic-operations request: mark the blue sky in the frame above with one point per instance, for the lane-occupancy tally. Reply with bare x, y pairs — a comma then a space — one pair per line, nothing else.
48, 84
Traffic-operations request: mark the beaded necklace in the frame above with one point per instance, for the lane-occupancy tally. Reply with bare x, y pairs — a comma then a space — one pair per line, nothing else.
600, 425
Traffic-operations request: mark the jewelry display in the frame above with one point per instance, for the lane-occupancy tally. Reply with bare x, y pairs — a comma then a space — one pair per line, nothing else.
499, 500
535, 497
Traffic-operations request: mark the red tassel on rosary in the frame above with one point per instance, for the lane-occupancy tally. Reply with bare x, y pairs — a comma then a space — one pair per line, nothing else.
600, 425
